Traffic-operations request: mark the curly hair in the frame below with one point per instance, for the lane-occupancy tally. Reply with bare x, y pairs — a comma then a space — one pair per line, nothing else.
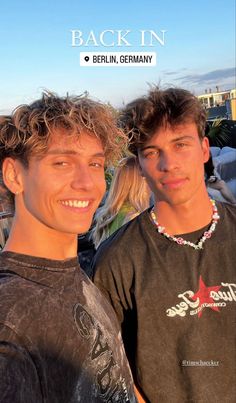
173, 106
27, 131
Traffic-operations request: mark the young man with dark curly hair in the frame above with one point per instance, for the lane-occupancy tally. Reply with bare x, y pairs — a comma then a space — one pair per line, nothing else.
59, 338
170, 273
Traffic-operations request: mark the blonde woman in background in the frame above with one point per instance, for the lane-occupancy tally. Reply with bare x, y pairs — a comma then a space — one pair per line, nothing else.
128, 196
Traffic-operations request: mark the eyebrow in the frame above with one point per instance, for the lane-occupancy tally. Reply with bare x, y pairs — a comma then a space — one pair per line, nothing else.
60, 151
174, 140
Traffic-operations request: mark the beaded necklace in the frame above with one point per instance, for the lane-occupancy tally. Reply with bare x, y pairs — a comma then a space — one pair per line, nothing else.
181, 241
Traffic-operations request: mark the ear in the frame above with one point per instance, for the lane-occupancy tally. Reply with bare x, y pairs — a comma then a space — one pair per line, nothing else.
205, 149
11, 172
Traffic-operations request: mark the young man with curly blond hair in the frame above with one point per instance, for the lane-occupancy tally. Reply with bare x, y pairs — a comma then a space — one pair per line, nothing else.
59, 339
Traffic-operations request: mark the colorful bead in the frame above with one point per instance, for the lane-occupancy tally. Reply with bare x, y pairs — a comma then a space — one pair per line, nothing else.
181, 241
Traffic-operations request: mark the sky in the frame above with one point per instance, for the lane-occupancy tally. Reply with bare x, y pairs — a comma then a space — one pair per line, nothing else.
37, 53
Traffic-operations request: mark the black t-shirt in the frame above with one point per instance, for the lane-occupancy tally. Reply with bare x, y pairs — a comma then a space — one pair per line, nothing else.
59, 338
177, 308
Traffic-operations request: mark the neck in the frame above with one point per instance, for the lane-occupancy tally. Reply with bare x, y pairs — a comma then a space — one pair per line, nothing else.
48, 244
185, 217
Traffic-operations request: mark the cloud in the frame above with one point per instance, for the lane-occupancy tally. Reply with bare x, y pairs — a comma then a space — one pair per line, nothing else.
207, 78
170, 73
173, 73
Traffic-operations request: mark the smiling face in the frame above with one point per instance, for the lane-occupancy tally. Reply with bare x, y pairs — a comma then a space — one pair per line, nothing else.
62, 189
173, 163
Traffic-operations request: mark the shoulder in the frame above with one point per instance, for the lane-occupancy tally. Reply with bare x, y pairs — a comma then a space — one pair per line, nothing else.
16, 296
11, 283
125, 239
20, 290
229, 210
124, 252
227, 222
16, 292
12, 276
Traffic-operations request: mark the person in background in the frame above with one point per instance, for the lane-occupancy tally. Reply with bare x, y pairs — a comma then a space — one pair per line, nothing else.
59, 338
5, 225
5, 216
128, 196
170, 273
214, 181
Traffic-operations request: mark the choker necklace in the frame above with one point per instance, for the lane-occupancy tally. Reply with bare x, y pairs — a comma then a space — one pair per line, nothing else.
180, 241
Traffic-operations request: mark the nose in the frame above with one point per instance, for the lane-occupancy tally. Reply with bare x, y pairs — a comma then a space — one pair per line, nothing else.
82, 179
168, 161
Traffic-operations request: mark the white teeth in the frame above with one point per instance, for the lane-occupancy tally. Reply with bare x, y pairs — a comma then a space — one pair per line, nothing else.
75, 203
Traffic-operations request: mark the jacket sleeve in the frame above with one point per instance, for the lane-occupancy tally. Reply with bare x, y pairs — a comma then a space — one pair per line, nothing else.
19, 382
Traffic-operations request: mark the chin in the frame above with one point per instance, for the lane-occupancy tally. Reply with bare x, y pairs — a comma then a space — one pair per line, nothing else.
174, 201
180, 200
76, 229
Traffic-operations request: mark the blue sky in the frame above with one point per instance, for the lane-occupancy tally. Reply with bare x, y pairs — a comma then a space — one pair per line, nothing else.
36, 51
